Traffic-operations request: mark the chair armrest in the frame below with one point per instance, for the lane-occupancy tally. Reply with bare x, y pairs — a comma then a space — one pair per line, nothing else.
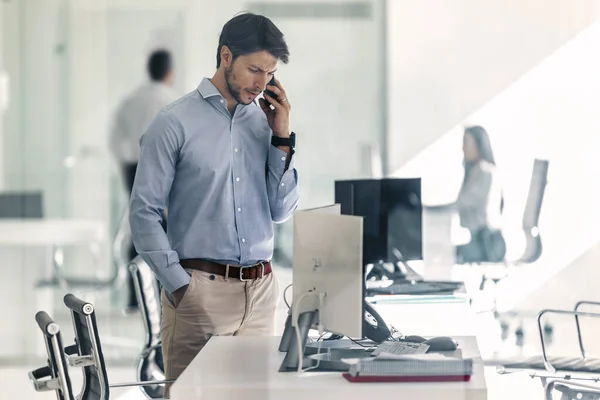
78, 305
581, 303
549, 367
46, 324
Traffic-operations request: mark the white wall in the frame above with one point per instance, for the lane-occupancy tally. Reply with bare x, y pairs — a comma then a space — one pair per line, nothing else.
550, 113
329, 60
450, 57
3, 93
35, 138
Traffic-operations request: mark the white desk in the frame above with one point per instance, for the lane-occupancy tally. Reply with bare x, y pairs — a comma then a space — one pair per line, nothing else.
50, 232
22, 268
246, 368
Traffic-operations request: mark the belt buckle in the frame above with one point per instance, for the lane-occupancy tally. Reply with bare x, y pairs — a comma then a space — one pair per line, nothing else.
242, 274
262, 271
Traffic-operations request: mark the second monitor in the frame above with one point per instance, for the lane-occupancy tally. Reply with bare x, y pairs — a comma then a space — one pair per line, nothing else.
392, 216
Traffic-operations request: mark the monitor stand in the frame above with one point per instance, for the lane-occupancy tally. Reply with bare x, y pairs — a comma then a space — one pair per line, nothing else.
289, 342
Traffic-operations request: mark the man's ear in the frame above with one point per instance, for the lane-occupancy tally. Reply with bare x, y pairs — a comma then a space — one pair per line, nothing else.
226, 56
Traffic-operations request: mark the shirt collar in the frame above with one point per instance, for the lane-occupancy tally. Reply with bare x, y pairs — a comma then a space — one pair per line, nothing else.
207, 89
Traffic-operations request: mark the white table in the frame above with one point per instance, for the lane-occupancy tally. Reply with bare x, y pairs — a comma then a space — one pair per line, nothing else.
50, 232
246, 368
24, 270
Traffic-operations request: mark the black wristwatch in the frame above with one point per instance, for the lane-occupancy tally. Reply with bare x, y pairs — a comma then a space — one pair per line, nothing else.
279, 141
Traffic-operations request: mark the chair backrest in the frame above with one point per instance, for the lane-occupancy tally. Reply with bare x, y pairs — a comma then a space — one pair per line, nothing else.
87, 340
21, 205
55, 374
148, 296
150, 366
533, 207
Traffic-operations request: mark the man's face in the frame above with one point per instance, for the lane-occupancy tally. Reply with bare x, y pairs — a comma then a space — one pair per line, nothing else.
249, 74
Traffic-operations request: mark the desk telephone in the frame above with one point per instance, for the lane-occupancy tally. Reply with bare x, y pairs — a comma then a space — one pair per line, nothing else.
376, 329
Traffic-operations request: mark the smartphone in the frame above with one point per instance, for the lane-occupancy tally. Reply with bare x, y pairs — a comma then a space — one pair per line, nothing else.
270, 93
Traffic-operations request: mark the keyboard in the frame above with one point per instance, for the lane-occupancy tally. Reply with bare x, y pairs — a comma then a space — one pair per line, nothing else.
422, 287
401, 348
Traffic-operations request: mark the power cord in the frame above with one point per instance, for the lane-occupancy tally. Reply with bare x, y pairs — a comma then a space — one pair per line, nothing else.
295, 318
284, 298
321, 330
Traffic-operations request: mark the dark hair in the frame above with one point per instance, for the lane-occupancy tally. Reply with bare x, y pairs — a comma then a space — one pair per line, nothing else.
482, 140
248, 33
484, 148
159, 65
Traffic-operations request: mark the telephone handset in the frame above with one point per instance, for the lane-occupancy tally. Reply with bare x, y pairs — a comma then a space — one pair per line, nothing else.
374, 327
269, 92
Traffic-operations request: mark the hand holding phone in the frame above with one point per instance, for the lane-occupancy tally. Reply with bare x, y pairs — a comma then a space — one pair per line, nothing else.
277, 110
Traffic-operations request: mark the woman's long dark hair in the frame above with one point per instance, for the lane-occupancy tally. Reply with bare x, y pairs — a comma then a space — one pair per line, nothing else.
484, 148
482, 140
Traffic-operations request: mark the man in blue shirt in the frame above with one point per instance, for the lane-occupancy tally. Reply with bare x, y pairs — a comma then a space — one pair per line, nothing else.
223, 162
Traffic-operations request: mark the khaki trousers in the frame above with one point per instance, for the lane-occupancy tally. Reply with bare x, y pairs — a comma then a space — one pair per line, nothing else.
214, 306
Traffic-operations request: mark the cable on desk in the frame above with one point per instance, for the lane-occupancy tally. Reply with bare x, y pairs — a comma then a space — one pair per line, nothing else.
295, 318
284, 298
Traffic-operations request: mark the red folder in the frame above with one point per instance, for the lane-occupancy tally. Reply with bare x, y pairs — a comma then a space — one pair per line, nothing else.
395, 378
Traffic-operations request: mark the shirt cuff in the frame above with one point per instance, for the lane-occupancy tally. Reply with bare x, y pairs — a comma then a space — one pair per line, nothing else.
175, 278
278, 158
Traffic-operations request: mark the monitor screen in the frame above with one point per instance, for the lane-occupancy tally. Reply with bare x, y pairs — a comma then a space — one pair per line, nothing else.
21, 205
393, 215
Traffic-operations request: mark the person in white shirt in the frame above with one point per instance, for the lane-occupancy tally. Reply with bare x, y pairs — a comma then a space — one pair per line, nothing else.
132, 118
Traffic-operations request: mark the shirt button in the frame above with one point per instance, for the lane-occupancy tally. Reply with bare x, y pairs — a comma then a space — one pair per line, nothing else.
221, 101
237, 179
236, 150
243, 240
283, 184
282, 158
239, 209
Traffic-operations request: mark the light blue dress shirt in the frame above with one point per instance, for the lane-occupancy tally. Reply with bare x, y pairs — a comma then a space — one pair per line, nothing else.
223, 181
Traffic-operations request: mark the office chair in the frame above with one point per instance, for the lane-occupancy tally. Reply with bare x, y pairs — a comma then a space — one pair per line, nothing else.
533, 247
570, 390
87, 352
55, 375
150, 366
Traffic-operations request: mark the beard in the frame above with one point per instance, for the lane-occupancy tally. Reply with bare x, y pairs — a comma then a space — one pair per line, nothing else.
234, 89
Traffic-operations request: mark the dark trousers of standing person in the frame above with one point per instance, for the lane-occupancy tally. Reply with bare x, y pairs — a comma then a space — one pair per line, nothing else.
486, 245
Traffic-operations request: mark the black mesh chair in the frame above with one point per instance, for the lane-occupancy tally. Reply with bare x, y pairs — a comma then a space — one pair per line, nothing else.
55, 375
87, 352
150, 366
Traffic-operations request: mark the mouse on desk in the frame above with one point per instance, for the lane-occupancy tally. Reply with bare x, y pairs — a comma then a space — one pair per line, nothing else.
440, 343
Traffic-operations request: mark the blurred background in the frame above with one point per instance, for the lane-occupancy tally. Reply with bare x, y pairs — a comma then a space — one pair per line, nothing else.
380, 89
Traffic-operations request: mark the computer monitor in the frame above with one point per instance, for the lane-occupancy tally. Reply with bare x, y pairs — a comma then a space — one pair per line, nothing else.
21, 205
393, 216
328, 277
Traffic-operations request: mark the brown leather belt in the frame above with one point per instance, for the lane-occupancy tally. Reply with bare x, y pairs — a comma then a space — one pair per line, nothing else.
242, 273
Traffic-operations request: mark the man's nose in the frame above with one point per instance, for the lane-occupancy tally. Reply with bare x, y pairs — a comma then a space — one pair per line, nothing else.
263, 81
